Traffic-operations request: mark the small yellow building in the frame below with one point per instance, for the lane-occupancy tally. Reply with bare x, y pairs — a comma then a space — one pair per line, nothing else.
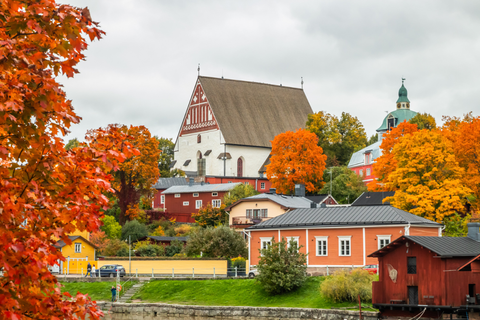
253, 210
77, 255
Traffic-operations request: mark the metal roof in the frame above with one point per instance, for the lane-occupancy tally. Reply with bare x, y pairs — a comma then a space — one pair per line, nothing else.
165, 183
285, 201
373, 198
358, 158
443, 246
400, 115
159, 238
202, 188
344, 216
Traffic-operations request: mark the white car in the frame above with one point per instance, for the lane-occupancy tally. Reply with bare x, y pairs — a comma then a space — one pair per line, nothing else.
252, 273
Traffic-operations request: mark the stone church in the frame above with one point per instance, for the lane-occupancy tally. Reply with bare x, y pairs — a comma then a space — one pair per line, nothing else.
229, 125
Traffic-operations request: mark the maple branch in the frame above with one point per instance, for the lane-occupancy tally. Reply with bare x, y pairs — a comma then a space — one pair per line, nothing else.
33, 174
23, 34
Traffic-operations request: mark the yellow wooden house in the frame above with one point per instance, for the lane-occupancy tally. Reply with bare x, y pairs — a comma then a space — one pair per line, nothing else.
77, 255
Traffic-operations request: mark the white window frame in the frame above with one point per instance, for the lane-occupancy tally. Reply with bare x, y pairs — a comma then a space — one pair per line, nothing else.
195, 195
186, 203
265, 240
216, 203
214, 194
383, 238
317, 240
264, 213
344, 238
367, 172
296, 239
198, 204
78, 247
360, 172
262, 185
247, 183
177, 195
162, 199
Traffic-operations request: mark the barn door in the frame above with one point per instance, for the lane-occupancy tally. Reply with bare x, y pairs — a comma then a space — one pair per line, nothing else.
412, 295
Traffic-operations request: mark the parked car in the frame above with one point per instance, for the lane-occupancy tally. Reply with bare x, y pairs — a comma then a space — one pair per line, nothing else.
252, 273
371, 268
110, 270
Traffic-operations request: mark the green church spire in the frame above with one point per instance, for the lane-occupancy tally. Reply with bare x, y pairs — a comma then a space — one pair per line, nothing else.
402, 93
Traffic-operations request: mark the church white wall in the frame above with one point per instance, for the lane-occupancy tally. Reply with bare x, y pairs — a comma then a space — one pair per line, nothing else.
187, 148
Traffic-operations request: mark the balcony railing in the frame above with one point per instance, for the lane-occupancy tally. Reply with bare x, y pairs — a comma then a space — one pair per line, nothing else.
248, 220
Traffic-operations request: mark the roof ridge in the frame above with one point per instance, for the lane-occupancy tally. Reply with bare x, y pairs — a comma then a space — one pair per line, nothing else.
252, 82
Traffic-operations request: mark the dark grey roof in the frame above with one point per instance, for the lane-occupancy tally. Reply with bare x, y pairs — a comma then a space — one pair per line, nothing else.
165, 183
244, 110
202, 188
373, 198
443, 246
158, 238
344, 216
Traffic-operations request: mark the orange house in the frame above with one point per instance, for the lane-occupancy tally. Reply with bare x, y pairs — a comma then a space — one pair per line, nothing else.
339, 237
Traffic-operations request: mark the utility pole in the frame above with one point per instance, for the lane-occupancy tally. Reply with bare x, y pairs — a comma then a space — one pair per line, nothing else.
330, 181
130, 255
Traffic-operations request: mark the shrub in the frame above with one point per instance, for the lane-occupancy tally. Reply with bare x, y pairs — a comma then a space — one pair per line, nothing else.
134, 229
239, 262
111, 227
146, 249
183, 230
174, 248
346, 286
216, 242
281, 268
158, 232
122, 252
114, 246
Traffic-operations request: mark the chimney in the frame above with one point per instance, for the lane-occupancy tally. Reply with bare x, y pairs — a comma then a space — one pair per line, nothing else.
313, 205
300, 190
473, 231
190, 182
273, 191
323, 205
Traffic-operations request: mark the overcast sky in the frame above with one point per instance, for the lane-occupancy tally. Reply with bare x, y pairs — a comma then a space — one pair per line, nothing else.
351, 55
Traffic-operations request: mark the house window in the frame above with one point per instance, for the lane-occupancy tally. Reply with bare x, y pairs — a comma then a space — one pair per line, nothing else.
177, 195
360, 173
412, 265
265, 242
185, 203
294, 239
247, 183
256, 213
262, 185
264, 213
162, 199
198, 204
195, 194
249, 213
367, 158
229, 181
322, 246
199, 139
383, 241
368, 172
344, 245
216, 203
78, 247
214, 194
240, 167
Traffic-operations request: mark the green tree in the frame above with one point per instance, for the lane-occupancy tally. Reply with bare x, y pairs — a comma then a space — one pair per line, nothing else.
134, 229
216, 242
166, 147
111, 227
346, 185
282, 267
424, 121
456, 226
72, 143
239, 192
373, 139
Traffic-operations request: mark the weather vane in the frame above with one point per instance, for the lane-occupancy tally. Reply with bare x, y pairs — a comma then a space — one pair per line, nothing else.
302, 82
403, 79
198, 69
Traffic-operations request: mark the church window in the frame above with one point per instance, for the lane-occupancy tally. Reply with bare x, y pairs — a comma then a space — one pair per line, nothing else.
240, 167
199, 140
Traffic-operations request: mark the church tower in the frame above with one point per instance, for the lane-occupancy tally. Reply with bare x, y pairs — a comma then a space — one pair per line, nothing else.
403, 102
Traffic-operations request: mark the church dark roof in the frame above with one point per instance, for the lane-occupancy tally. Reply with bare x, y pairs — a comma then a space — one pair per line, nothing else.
251, 113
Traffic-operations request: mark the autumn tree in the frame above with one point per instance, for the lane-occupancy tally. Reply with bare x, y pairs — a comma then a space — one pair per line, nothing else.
46, 192
427, 178
386, 163
138, 173
239, 192
296, 159
424, 121
112, 229
72, 143
338, 137
210, 216
346, 184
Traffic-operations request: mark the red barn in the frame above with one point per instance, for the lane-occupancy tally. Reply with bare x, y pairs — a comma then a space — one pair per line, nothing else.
182, 201
428, 275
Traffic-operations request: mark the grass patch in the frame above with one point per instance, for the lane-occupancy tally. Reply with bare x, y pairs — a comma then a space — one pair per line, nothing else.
98, 291
235, 292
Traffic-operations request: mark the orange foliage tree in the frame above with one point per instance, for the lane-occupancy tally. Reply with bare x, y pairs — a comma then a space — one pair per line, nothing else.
296, 158
427, 177
137, 174
210, 216
386, 163
44, 188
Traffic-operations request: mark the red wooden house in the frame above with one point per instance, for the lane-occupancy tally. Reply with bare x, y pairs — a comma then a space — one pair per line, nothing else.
433, 275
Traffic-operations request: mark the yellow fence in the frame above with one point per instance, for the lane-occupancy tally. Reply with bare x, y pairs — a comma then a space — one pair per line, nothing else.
173, 267
77, 266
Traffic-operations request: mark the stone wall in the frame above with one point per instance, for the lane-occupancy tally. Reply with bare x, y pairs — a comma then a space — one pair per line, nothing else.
151, 311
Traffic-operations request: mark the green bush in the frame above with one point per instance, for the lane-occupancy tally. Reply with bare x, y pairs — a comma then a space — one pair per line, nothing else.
115, 246
281, 268
346, 285
134, 229
146, 249
174, 248
123, 252
216, 242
